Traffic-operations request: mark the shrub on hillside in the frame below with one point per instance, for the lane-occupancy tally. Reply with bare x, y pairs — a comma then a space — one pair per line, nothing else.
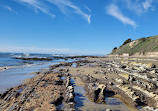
143, 39
114, 49
127, 41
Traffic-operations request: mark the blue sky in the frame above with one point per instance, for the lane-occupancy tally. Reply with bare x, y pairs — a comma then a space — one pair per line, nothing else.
74, 26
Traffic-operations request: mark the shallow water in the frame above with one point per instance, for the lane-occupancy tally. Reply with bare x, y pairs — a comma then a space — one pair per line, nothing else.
74, 65
84, 104
14, 76
8, 59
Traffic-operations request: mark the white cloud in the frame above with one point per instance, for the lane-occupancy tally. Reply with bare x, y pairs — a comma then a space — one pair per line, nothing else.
147, 4
10, 9
88, 9
137, 6
48, 50
114, 11
134, 5
66, 6
36, 4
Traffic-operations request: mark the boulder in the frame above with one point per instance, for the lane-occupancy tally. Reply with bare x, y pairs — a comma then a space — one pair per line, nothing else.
156, 70
126, 76
123, 66
69, 106
150, 65
119, 80
69, 94
96, 92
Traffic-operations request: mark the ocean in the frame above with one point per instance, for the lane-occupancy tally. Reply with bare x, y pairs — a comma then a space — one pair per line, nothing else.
13, 71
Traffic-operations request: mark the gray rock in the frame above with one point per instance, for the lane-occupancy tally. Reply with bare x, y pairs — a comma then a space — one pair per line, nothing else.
108, 110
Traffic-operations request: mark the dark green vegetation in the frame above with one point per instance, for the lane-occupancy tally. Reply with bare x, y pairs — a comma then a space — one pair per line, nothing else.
142, 45
127, 41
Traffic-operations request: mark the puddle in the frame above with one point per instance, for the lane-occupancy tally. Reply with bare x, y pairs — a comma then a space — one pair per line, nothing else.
113, 101
82, 102
82, 64
63, 78
20, 90
74, 65
60, 107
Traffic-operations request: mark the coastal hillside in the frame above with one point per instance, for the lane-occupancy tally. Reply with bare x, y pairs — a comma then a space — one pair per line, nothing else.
140, 46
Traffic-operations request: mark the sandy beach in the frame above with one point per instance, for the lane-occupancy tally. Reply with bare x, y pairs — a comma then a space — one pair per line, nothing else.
91, 84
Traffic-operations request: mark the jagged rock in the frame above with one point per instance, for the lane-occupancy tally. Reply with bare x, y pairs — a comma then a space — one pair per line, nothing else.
70, 89
123, 66
126, 76
129, 92
156, 70
151, 95
96, 92
111, 83
67, 70
88, 79
69, 94
68, 82
69, 97
119, 80
58, 101
101, 98
150, 65
105, 77
147, 108
59, 82
69, 106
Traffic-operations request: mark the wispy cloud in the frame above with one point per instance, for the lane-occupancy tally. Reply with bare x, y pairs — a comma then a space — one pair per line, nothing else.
9, 9
36, 4
114, 11
147, 4
67, 6
137, 6
87, 8
133, 5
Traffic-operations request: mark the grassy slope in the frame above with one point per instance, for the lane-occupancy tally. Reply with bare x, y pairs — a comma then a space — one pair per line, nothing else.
149, 44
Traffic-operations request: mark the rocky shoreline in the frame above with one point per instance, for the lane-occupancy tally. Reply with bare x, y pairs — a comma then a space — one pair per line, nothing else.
134, 82
52, 58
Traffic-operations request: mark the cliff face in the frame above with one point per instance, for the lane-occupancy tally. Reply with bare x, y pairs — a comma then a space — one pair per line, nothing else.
143, 46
